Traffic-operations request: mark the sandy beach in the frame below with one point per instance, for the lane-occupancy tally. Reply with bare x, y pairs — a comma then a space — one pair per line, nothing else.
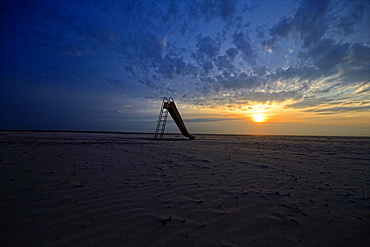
112, 189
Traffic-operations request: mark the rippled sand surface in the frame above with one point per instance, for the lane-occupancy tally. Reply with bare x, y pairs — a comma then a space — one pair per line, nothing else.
111, 189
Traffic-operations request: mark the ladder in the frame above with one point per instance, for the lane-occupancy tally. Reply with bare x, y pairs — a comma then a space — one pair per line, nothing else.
162, 119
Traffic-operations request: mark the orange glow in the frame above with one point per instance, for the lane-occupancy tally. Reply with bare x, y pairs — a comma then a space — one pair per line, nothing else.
275, 118
259, 118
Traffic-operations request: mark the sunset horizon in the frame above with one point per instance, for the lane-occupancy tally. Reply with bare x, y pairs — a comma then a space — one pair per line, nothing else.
185, 123
233, 67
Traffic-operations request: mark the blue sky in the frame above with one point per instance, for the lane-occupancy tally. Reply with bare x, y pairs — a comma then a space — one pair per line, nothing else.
301, 66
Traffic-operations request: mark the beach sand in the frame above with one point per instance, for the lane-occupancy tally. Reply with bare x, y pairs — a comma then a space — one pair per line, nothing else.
112, 189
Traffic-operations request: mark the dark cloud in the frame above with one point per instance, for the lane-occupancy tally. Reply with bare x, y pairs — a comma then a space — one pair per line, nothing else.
191, 70
271, 45
283, 28
130, 70
167, 69
223, 62
232, 52
301, 73
244, 44
309, 24
326, 55
354, 13
239, 81
263, 97
356, 75
359, 55
210, 9
227, 9
171, 66
310, 21
208, 66
208, 46
330, 58
260, 32
261, 71
278, 31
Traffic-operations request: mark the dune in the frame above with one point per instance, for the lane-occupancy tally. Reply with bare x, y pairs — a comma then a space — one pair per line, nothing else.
112, 189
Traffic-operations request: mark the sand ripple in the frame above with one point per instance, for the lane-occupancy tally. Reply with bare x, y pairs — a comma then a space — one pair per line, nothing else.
94, 189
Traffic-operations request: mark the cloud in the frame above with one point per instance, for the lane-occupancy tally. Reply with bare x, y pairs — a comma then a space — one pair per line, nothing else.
310, 101
207, 66
244, 44
354, 13
290, 74
263, 97
71, 50
271, 45
131, 71
309, 21
208, 46
337, 96
227, 9
218, 8
330, 58
319, 57
204, 61
239, 81
326, 55
261, 71
282, 29
340, 109
232, 52
107, 110
167, 68
205, 120
359, 55
224, 63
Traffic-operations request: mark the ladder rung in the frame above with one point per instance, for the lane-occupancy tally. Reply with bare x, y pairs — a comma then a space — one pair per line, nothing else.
161, 125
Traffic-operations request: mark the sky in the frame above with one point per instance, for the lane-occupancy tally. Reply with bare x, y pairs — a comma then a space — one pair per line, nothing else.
284, 67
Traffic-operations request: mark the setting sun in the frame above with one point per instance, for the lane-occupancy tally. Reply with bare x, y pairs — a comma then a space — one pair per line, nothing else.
259, 118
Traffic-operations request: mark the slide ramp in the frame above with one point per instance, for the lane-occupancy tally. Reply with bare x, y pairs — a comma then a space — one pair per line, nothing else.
170, 106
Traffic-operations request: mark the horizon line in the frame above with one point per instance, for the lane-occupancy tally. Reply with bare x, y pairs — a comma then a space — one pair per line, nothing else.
152, 133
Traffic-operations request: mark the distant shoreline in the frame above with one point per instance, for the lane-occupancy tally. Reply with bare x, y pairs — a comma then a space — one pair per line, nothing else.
152, 133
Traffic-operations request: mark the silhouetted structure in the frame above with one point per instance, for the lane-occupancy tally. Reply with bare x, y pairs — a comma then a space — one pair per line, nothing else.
169, 106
